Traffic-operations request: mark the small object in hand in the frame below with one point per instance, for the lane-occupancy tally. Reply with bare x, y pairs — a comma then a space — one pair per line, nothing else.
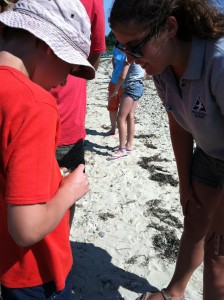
64, 173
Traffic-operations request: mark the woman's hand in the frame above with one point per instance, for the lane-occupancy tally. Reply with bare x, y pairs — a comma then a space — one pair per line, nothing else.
187, 194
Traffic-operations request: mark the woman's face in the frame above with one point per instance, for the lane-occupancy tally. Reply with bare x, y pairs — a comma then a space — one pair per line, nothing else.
156, 50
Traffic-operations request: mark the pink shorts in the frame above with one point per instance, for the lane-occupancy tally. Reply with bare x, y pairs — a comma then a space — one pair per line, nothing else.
113, 103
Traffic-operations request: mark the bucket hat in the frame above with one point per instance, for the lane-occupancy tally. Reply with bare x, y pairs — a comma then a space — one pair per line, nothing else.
63, 25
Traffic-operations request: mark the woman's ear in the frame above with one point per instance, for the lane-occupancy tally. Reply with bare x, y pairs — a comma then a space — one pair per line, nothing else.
171, 26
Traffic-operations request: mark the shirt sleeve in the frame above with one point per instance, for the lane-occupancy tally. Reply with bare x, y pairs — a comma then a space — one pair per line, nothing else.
29, 160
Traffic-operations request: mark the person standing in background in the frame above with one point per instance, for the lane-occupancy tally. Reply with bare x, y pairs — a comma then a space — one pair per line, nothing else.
131, 81
71, 98
118, 60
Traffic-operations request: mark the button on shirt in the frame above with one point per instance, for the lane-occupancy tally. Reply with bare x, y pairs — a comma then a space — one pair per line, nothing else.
197, 101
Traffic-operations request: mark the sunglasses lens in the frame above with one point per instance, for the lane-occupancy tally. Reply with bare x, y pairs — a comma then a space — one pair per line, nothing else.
132, 52
135, 54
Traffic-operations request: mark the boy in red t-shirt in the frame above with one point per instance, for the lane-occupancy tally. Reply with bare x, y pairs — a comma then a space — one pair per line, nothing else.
43, 41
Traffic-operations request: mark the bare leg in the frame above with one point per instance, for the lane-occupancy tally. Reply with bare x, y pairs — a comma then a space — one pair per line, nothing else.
191, 251
214, 257
113, 121
131, 126
124, 110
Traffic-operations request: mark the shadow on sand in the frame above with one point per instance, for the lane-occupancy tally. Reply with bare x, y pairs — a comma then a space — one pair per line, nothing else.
96, 278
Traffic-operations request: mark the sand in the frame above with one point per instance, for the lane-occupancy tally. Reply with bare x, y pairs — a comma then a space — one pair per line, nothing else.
126, 230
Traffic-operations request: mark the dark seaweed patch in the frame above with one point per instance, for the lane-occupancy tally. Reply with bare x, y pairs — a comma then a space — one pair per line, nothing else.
167, 244
106, 216
164, 179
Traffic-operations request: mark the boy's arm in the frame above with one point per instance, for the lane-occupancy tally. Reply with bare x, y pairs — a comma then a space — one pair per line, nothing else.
28, 224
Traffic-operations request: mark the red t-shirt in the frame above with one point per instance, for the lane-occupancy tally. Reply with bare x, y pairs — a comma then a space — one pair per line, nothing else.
95, 11
29, 174
71, 98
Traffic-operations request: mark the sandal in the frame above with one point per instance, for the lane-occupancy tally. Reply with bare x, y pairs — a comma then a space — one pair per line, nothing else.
118, 155
115, 149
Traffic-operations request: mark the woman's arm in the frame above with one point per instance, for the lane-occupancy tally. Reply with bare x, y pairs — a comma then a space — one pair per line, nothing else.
182, 142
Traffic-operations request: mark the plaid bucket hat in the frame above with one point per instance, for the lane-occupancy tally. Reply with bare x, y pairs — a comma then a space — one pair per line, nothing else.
63, 25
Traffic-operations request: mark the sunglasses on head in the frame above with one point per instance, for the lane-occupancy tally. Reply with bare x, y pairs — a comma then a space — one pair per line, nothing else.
135, 51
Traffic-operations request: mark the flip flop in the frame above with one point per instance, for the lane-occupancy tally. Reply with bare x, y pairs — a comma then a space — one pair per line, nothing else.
117, 155
115, 149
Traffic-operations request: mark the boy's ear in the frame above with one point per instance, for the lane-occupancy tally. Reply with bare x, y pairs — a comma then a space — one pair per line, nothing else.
49, 51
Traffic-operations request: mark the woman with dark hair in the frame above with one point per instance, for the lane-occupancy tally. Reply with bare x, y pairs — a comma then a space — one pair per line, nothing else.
181, 44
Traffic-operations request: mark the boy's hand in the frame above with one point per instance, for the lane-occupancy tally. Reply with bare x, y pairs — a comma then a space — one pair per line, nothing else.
76, 183
28, 224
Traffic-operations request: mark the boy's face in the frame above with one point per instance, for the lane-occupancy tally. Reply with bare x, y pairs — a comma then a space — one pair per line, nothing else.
51, 71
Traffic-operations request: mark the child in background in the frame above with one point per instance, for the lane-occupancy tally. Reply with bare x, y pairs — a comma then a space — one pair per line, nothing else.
131, 80
118, 61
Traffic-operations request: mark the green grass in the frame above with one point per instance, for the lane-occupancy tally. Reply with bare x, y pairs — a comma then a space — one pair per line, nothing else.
110, 48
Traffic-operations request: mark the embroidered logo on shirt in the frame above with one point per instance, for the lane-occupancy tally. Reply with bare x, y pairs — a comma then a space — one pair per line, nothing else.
199, 110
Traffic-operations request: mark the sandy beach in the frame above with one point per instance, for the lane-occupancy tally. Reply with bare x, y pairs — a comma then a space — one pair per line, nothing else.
126, 230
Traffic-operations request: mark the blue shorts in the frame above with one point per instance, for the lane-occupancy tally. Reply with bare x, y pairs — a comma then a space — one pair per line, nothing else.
207, 170
135, 90
47, 291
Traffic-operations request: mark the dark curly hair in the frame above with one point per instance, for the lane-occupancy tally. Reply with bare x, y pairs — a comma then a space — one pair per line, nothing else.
194, 17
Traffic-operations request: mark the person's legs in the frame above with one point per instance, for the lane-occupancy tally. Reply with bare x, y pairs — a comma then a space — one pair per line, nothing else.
113, 123
196, 226
214, 257
131, 126
200, 224
191, 250
124, 109
113, 104
135, 90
